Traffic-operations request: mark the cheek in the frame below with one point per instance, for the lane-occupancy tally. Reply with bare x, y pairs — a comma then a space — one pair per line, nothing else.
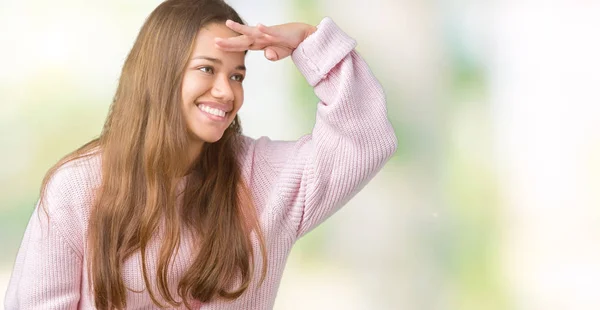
239, 98
186, 91
192, 88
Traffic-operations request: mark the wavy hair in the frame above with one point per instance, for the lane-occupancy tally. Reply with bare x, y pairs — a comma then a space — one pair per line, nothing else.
143, 147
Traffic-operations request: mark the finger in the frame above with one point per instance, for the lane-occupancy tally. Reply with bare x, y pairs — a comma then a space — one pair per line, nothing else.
271, 55
271, 31
233, 49
241, 42
241, 28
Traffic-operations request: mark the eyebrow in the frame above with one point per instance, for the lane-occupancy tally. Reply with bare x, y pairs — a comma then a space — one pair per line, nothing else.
216, 60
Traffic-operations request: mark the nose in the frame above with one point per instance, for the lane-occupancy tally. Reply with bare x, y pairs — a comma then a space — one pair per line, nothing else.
222, 89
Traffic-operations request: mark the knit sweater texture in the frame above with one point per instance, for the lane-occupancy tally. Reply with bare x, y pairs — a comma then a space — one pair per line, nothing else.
295, 185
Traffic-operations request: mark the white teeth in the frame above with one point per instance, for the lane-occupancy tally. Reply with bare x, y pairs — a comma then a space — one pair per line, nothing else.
212, 111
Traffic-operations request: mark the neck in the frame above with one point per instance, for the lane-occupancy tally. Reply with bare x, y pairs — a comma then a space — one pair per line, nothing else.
194, 150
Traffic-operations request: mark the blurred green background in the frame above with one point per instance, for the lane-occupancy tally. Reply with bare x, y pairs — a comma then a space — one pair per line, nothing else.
491, 201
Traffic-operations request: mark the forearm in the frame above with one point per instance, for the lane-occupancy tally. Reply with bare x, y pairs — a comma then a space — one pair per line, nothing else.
352, 137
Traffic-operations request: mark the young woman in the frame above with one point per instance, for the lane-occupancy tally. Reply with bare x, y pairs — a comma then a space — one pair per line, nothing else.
172, 206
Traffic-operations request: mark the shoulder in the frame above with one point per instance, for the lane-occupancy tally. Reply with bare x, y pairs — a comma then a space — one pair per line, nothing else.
251, 147
70, 189
248, 144
68, 197
75, 177
264, 147
265, 156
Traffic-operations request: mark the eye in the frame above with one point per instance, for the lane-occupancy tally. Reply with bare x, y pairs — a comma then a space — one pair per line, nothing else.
208, 70
237, 77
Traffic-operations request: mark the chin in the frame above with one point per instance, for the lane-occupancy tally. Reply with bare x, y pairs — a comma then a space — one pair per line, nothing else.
212, 138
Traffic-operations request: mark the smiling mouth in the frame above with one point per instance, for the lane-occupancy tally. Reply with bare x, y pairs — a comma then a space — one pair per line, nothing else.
213, 114
212, 111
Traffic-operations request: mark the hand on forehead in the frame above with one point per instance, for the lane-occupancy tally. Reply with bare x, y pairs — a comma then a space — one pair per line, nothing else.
205, 45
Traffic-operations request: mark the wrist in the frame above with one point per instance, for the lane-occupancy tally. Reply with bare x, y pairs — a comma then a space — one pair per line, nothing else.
310, 29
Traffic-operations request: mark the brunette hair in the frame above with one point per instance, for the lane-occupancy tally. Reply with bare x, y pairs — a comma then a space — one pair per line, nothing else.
143, 148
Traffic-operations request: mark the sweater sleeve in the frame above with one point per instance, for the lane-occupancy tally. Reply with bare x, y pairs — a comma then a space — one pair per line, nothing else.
352, 138
48, 267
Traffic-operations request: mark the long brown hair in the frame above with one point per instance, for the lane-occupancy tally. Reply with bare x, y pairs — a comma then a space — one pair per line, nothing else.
143, 148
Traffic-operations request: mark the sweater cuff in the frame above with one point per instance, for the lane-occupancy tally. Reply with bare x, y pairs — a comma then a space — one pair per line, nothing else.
322, 50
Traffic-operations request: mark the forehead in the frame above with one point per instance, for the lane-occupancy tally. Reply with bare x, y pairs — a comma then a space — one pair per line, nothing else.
205, 42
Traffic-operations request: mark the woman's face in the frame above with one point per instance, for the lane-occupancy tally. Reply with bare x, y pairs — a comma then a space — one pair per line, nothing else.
212, 89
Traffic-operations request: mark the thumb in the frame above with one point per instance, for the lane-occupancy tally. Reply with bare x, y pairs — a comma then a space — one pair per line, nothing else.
271, 55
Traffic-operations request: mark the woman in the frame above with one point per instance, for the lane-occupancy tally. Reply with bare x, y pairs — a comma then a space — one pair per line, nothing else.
172, 206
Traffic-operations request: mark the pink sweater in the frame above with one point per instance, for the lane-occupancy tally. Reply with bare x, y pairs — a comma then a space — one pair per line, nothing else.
296, 186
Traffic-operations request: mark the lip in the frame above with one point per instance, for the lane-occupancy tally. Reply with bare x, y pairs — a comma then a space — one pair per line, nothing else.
212, 117
215, 105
